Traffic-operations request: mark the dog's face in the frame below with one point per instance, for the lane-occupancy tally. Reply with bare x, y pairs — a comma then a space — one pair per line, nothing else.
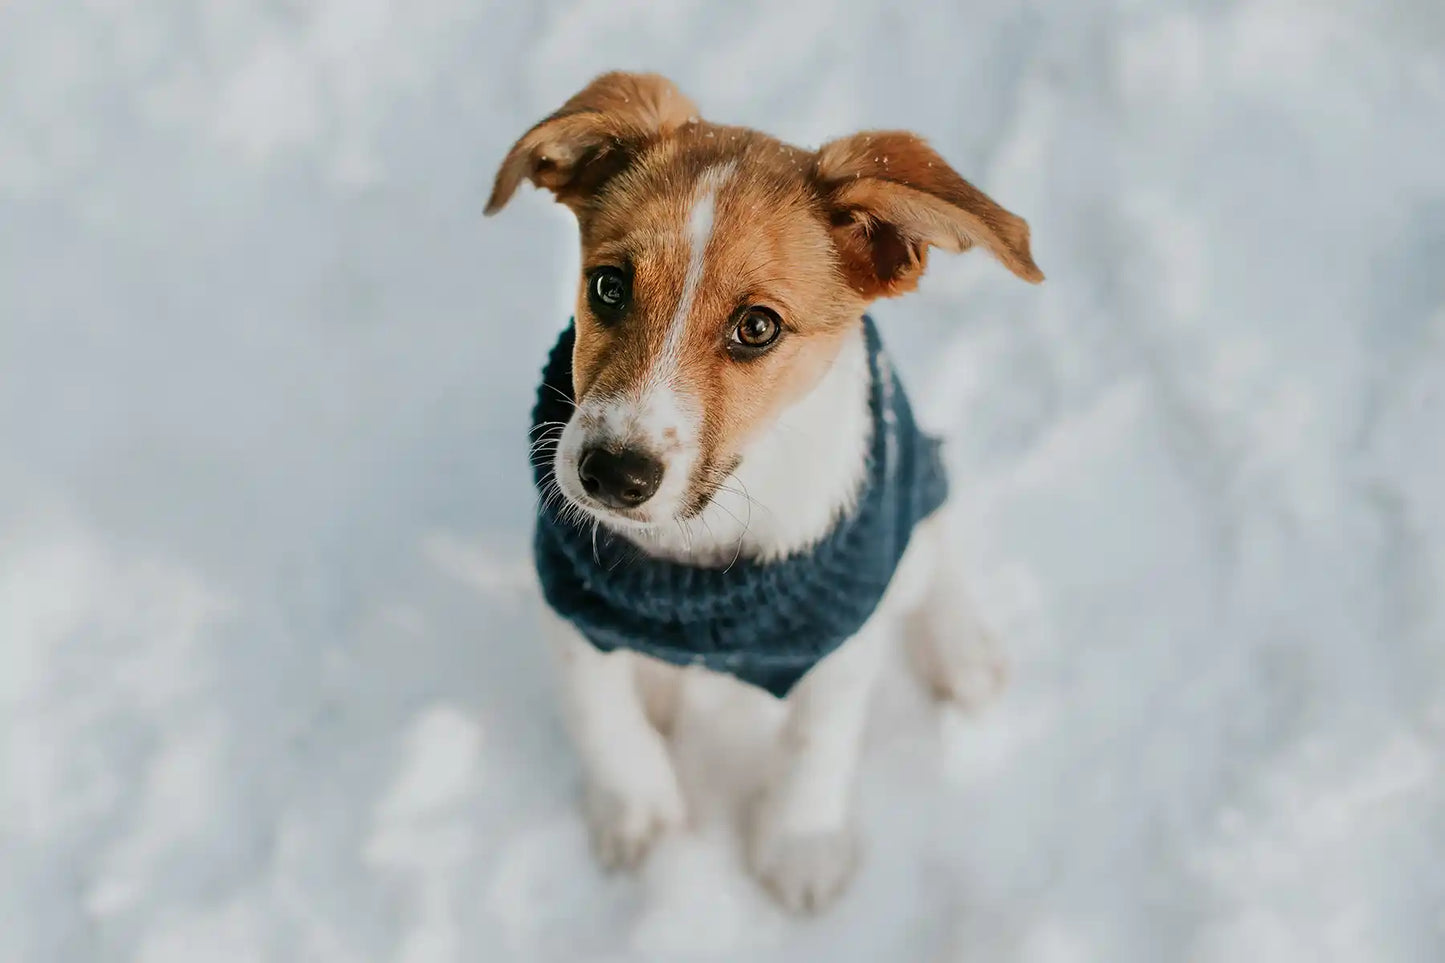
721, 270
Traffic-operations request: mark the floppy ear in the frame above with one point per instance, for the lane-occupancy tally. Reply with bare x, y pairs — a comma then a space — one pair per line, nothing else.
593, 136
891, 196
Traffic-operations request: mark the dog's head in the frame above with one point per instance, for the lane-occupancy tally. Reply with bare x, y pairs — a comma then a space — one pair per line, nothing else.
721, 269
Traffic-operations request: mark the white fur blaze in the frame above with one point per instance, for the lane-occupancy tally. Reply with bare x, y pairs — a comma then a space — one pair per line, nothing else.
699, 230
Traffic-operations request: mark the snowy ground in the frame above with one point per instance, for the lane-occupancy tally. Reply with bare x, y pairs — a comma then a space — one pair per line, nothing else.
270, 687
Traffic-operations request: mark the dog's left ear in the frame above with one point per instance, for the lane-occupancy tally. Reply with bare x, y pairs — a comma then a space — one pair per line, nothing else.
592, 137
891, 197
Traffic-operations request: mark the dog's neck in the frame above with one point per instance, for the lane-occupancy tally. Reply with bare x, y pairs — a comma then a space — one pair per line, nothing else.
795, 479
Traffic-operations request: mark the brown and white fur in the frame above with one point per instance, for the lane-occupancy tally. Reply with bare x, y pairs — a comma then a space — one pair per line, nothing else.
758, 455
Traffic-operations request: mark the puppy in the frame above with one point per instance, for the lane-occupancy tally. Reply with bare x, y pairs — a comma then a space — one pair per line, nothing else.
729, 471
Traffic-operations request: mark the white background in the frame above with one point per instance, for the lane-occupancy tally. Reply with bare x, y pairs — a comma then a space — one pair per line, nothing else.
270, 685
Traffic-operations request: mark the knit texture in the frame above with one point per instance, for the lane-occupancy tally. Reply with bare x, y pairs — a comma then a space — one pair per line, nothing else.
765, 623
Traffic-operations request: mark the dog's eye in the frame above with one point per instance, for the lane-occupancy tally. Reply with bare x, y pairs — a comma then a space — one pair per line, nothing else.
608, 290
756, 330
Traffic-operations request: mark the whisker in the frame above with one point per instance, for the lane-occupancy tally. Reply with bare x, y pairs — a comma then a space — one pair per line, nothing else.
747, 525
723, 508
718, 485
561, 394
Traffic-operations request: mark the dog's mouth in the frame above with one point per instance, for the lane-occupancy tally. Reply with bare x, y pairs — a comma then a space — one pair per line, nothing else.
623, 519
708, 480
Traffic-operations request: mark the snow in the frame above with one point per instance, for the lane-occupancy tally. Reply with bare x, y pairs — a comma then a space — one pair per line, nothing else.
270, 681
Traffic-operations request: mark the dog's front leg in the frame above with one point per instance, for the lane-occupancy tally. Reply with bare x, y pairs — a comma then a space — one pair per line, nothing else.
632, 794
802, 832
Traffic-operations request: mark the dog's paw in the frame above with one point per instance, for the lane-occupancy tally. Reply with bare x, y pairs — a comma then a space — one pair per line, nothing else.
971, 678
959, 663
804, 871
625, 825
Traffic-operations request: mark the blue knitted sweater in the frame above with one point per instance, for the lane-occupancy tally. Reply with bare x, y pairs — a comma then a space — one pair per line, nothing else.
765, 623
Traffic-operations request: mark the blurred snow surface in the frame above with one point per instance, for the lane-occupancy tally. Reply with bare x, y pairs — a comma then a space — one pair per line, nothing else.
270, 682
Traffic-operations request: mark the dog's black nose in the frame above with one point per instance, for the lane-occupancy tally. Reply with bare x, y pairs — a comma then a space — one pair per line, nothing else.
622, 480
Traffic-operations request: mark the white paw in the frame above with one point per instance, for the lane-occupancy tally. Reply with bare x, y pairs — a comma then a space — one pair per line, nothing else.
960, 664
624, 825
805, 871
970, 680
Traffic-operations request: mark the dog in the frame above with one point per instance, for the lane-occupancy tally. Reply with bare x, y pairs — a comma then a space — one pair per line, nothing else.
729, 473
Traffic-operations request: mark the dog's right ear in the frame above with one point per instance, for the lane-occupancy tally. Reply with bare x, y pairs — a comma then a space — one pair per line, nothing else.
891, 197
592, 137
